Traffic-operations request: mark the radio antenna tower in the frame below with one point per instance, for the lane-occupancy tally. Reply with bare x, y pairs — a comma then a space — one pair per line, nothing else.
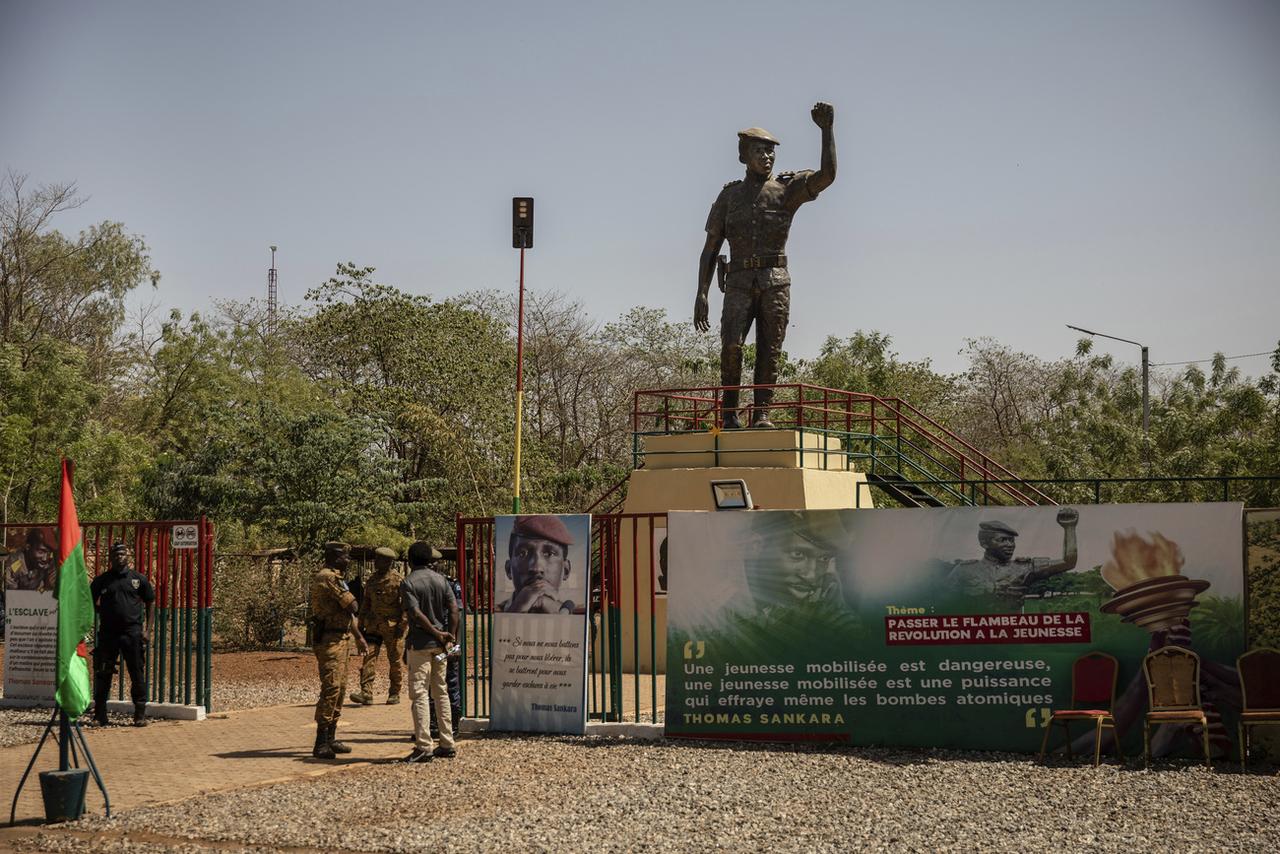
271, 292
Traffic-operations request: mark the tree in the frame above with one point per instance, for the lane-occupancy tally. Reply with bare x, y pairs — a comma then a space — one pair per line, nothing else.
437, 377
53, 286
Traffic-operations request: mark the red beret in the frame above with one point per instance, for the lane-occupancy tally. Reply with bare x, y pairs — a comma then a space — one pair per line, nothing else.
543, 528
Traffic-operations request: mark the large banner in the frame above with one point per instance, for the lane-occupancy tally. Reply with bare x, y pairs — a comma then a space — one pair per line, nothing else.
949, 627
540, 624
30, 574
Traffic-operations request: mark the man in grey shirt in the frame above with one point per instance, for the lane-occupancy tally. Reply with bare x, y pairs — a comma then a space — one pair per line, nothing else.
432, 610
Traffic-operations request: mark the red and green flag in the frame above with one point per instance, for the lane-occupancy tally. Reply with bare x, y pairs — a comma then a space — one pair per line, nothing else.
75, 607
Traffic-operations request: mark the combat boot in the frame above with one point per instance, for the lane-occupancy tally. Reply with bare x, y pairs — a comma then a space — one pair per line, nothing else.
729, 411
760, 413
392, 699
139, 714
335, 745
323, 749
362, 698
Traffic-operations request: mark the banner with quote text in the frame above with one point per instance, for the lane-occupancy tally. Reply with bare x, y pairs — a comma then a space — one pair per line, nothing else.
540, 623
946, 627
29, 575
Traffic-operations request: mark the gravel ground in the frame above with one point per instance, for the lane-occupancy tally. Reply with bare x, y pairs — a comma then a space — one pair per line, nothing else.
561, 793
554, 793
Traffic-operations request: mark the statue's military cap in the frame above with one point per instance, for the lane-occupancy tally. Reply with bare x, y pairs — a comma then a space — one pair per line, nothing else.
758, 133
36, 537
383, 551
996, 528
543, 528
117, 546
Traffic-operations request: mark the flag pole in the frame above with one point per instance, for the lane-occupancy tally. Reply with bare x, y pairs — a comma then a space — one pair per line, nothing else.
64, 724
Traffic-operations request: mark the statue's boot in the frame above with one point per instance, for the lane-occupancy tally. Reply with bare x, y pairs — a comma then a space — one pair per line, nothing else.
760, 413
729, 411
139, 714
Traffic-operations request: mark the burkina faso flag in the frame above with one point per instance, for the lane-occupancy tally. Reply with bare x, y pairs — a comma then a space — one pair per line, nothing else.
75, 608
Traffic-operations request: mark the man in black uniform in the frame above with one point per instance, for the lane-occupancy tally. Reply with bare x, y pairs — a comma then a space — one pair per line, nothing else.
122, 598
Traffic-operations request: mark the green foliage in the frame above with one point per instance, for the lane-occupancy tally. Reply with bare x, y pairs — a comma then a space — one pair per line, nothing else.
864, 362
1263, 532
436, 378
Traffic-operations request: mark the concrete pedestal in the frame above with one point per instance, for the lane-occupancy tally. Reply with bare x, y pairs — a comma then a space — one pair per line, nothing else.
783, 470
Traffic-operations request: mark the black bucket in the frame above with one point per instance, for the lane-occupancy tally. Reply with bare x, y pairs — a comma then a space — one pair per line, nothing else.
63, 793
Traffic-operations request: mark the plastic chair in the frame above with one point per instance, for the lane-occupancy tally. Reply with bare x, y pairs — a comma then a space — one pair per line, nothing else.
1093, 695
1173, 694
1259, 671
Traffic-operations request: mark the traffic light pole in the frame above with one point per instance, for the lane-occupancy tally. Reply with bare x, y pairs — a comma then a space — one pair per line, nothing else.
515, 495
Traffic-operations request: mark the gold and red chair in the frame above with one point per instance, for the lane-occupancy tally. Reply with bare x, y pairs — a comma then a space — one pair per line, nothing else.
1093, 694
1259, 671
1173, 695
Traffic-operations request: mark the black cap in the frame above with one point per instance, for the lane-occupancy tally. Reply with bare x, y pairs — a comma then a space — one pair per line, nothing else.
422, 554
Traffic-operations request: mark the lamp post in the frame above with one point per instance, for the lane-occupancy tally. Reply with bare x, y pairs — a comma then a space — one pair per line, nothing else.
522, 239
1146, 407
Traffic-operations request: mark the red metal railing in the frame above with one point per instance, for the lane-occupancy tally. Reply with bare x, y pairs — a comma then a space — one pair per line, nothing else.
887, 435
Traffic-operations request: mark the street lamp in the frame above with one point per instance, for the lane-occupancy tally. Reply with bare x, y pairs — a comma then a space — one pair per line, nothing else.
1146, 407
522, 239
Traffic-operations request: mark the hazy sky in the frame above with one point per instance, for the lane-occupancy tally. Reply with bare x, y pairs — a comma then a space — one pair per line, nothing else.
1005, 167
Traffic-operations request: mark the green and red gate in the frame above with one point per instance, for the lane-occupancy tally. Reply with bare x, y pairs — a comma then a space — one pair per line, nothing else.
177, 558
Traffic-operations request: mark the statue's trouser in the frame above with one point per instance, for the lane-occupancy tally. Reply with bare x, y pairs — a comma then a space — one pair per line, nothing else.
769, 308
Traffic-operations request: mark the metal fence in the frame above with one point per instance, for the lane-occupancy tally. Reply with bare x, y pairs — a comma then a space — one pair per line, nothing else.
625, 655
179, 661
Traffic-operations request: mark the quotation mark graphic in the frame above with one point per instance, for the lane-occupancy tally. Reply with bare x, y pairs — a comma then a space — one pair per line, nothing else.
1045, 714
689, 646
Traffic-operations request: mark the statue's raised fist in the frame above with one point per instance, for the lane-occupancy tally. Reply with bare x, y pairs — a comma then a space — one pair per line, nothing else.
823, 115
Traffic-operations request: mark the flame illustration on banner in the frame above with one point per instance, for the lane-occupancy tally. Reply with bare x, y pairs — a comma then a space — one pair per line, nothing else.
1147, 576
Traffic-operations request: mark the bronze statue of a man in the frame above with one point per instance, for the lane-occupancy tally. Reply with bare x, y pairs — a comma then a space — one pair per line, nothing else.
755, 214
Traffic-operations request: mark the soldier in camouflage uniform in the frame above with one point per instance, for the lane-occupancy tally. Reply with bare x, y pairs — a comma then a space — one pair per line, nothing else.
999, 574
333, 620
383, 624
754, 214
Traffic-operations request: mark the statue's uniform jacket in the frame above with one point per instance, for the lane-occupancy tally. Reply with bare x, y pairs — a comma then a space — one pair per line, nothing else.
754, 215
330, 600
985, 577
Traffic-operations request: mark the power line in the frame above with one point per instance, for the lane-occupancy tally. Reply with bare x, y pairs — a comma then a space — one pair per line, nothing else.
1224, 358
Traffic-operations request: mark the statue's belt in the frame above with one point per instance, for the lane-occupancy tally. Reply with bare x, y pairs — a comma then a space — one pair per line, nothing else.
755, 262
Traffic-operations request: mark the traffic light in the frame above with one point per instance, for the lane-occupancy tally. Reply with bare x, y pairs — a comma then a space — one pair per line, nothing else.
522, 222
